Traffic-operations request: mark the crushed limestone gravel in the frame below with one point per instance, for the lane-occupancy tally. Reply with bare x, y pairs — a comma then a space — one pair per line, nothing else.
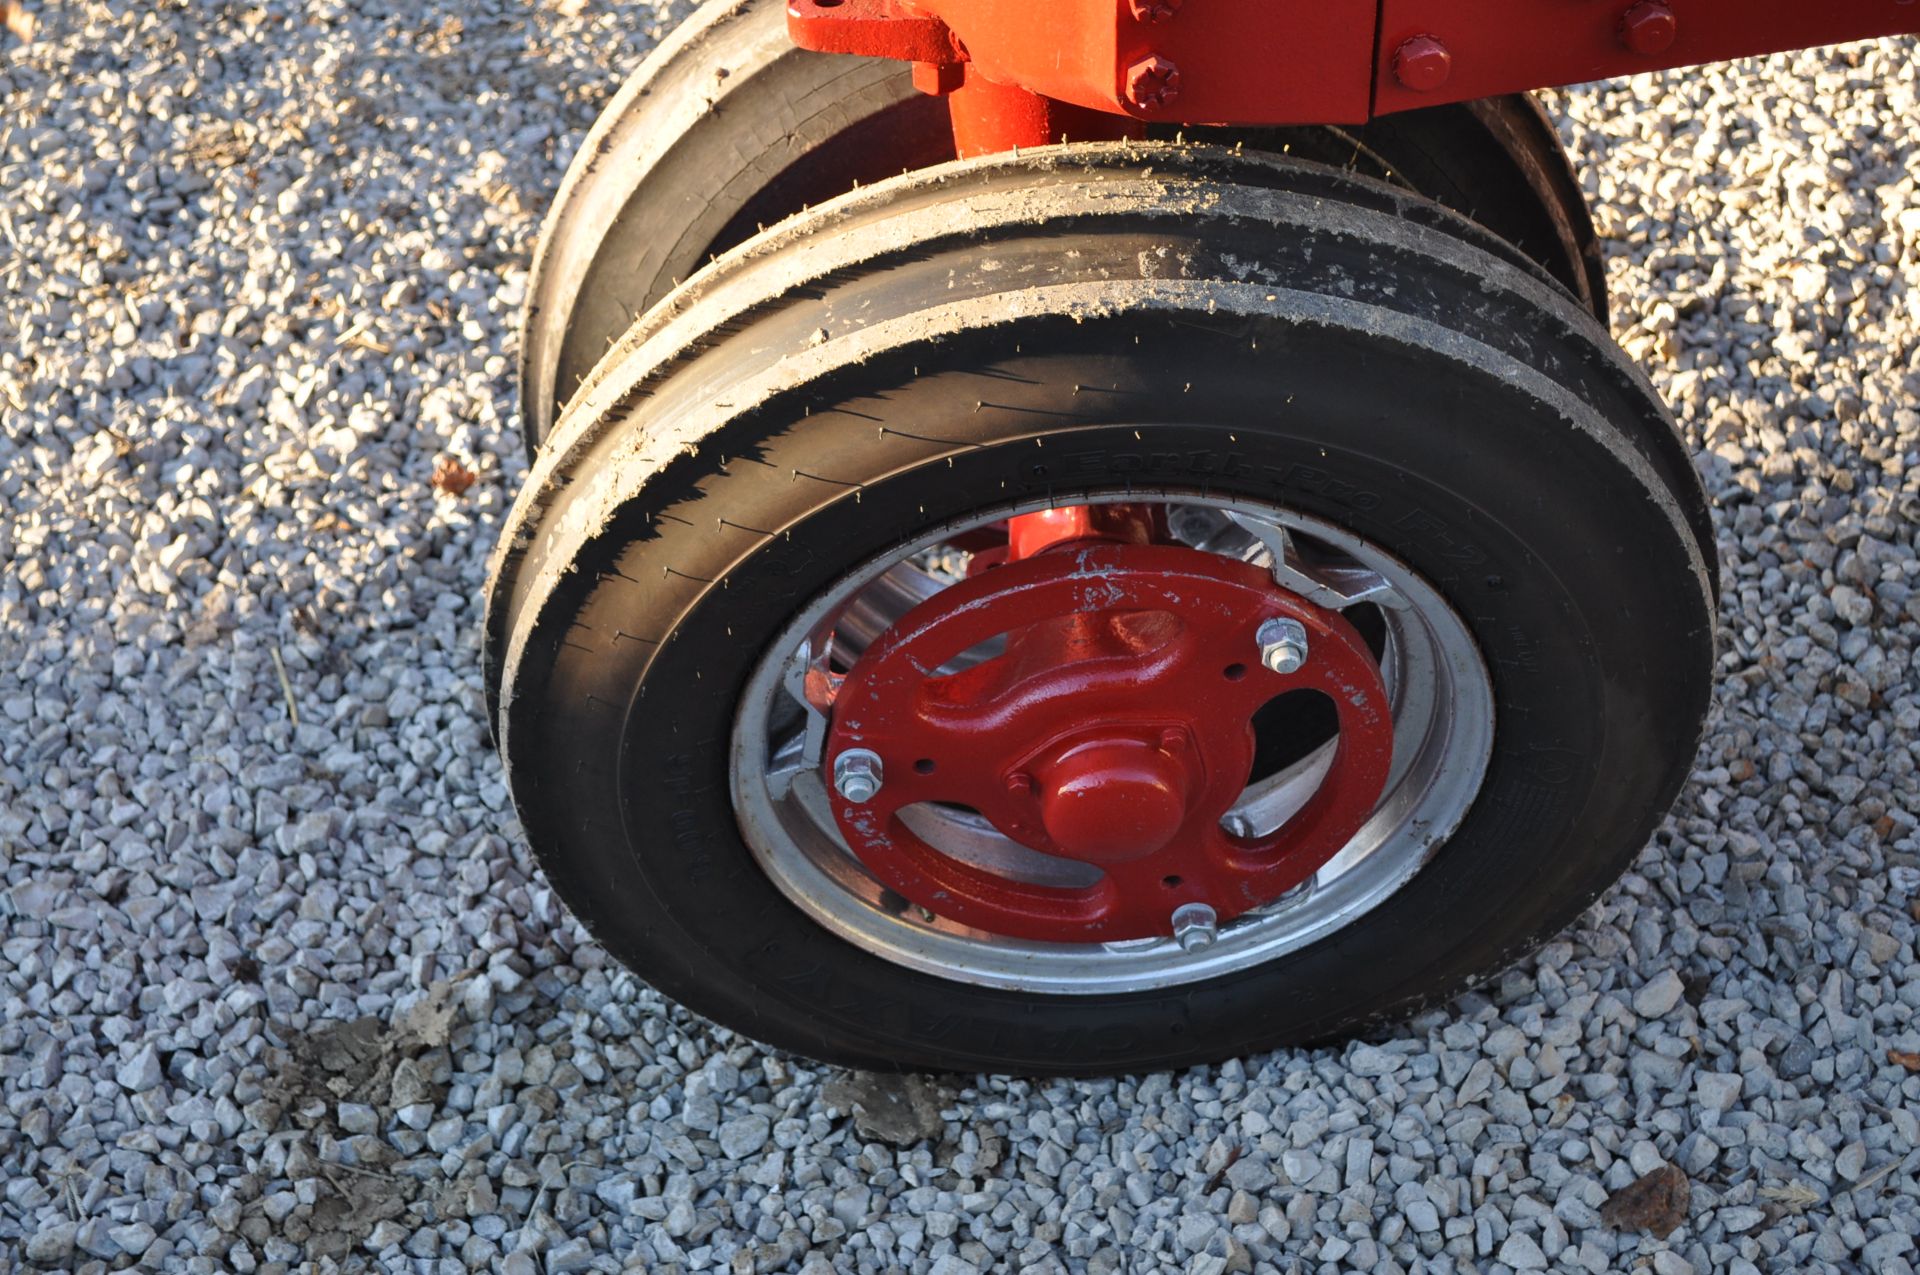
281, 988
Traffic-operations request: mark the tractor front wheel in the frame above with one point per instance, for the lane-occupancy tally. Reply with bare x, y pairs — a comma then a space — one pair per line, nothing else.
1103, 609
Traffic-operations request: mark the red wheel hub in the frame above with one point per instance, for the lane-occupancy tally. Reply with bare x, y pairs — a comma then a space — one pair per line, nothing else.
1105, 717
1113, 799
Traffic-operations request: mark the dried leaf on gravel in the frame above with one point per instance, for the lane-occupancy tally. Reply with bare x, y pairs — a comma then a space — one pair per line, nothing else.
1911, 1061
364, 1057
450, 476
1656, 1202
426, 1023
902, 1110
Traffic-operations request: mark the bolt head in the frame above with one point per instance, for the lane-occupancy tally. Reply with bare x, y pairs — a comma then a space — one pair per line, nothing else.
1153, 12
857, 775
1649, 28
1195, 927
1422, 64
1152, 83
937, 79
1283, 645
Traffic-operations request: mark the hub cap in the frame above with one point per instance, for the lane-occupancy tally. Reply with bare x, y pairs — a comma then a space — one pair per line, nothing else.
1113, 729
793, 724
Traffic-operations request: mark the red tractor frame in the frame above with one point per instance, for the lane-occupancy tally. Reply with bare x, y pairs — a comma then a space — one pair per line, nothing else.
1011, 66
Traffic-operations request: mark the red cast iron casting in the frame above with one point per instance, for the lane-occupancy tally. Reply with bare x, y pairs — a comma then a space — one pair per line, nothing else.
1114, 729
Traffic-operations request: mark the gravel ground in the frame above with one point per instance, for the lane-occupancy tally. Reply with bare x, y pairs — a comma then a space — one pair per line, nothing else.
280, 986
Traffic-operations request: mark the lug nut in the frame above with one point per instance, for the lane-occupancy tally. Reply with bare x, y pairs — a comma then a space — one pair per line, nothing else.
857, 774
1283, 645
1152, 83
1422, 64
1195, 927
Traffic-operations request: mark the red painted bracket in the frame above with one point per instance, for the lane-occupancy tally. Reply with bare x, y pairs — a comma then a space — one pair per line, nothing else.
874, 29
1187, 61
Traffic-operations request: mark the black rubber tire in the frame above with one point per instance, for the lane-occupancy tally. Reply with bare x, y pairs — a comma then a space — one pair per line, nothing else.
727, 127
1095, 319
1496, 161
724, 127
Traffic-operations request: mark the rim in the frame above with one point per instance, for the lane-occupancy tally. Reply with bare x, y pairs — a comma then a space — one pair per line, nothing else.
1437, 685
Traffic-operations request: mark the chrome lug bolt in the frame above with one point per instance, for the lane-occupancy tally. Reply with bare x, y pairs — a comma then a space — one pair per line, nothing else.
857, 774
1283, 645
1195, 927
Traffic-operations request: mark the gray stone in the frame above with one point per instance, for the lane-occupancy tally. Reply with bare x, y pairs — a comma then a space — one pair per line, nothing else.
1716, 1091
52, 1243
569, 1257
1368, 1060
132, 1238
1522, 1252
1851, 1162
356, 1117
1796, 1060
744, 1136
141, 1071
1657, 997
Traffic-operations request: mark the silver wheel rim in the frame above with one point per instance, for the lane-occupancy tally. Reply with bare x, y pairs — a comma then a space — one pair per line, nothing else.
1443, 714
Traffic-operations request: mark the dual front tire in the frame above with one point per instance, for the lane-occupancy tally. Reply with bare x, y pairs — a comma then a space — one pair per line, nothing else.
1164, 323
